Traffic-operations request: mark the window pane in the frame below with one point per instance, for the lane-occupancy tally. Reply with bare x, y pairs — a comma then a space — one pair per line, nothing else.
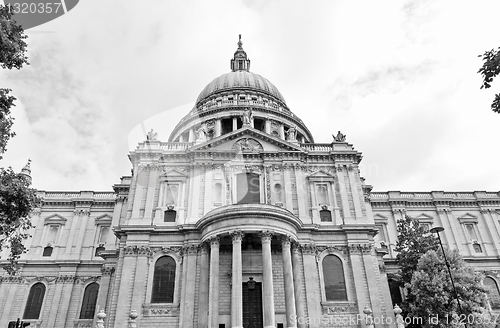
381, 233
322, 193
104, 235
89, 301
170, 216
494, 295
218, 192
172, 194
47, 251
325, 216
164, 280
35, 300
333, 274
52, 235
471, 231
278, 193
395, 292
248, 188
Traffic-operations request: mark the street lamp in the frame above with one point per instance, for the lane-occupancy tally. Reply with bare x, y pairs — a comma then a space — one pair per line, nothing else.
437, 230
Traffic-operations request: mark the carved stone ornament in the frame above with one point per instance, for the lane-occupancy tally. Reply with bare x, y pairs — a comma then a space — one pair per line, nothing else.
248, 144
137, 250
81, 212
331, 249
236, 236
266, 235
360, 248
107, 271
308, 249
327, 309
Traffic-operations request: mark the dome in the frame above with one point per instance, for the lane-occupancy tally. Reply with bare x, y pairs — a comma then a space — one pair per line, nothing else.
243, 80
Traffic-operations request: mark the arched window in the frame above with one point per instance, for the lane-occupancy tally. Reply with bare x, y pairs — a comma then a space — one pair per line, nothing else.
322, 193
47, 251
334, 280
494, 295
89, 301
248, 188
164, 280
217, 192
35, 301
395, 292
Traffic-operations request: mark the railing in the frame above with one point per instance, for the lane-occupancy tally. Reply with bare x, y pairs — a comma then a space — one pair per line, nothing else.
317, 147
86, 194
176, 145
431, 195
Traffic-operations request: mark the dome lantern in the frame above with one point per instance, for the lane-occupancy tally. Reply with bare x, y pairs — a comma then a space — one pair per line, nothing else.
240, 61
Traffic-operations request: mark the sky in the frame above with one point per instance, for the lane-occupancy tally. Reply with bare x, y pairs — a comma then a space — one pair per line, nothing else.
398, 78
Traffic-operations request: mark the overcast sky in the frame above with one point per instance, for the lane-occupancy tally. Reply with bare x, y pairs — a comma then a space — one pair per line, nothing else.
399, 78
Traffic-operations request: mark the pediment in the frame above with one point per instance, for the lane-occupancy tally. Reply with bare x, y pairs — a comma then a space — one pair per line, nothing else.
173, 173
379, 218
424, 218
246, 140
103, 219
321, 174
468, 218
55, 219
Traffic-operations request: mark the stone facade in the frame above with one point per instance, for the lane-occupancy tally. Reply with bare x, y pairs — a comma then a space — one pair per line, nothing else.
256, 224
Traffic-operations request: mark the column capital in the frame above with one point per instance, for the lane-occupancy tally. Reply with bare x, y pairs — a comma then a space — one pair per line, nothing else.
286, 241
266, 235
214, 241
296, 247
236, 235
203, 248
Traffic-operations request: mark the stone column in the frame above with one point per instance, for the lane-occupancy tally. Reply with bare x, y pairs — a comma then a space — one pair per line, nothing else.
213, 297
189, 298
267, 280
218, 127
102, 296
237, 280
235, 123
192, 137
291, 313
203, 301
297, 283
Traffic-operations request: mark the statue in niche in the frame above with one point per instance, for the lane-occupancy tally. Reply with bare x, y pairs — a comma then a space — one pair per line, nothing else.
247, 117
291, 134
339, 137
151, 135
201, 133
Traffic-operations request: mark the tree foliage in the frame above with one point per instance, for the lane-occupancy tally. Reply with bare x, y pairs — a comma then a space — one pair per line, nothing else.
17, 199
413, 242
12, 44
434, 294
490, 69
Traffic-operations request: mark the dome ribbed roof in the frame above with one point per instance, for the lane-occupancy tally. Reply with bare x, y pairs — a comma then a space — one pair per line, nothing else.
237, 80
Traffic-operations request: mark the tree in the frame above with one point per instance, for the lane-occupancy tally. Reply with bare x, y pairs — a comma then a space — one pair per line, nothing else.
490, 69
434, 298
17, 199
413, 242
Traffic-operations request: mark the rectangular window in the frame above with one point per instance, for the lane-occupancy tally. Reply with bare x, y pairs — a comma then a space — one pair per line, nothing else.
471, 231
52, 234
322, 194
248, 188
103, 234
381, 233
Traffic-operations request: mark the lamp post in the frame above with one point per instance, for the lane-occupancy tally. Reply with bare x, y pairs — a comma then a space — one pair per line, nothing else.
437, 230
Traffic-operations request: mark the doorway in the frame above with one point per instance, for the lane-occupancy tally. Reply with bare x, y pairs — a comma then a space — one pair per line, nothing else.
252, 304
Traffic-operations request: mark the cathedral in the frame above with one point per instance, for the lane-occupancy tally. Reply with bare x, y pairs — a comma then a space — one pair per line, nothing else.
239, 219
